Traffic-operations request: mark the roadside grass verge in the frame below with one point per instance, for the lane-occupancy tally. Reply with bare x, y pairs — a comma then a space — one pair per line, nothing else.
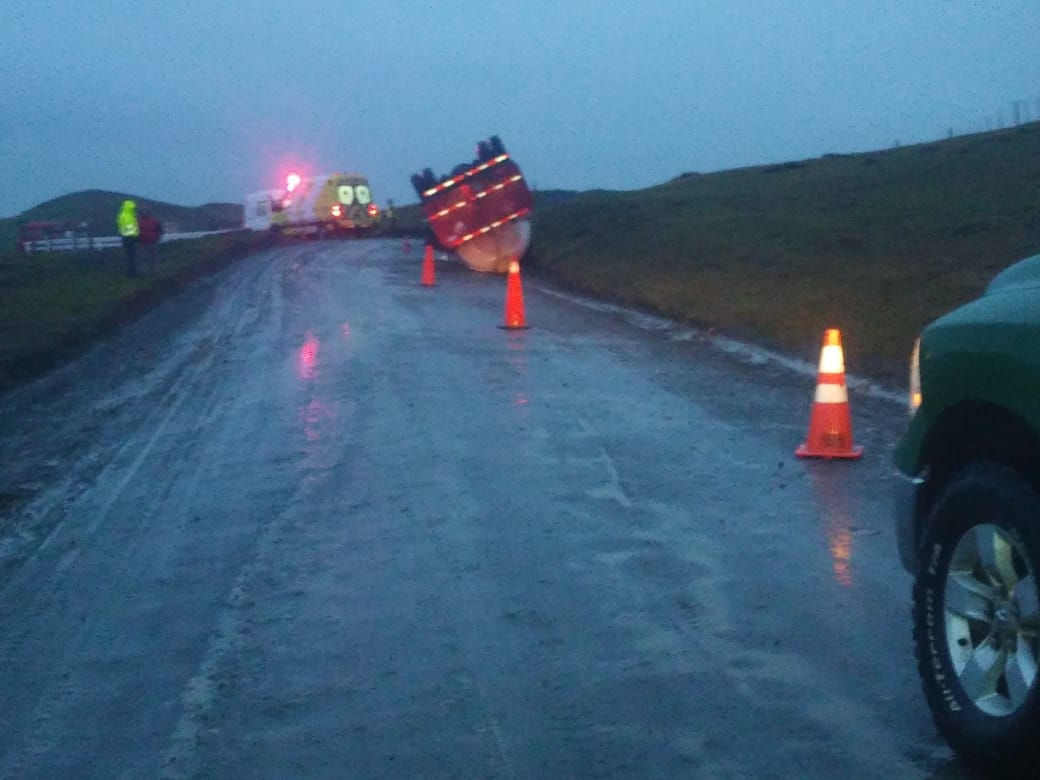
53, 306
876, 244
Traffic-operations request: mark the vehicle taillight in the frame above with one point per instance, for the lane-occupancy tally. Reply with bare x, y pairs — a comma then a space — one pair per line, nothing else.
336, 210
915, 377
373, 209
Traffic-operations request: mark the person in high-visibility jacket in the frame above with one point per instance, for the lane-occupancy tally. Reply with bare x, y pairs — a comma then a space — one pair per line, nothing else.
129, 232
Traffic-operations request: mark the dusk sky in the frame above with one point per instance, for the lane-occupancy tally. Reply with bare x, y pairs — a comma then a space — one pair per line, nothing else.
201, 100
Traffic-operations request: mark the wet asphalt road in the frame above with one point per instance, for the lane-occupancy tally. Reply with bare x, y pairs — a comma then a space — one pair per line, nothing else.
311, 519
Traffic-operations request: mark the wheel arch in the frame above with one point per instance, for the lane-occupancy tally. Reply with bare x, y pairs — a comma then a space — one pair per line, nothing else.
971, 431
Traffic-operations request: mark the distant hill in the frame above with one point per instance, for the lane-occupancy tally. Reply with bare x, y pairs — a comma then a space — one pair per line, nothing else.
98, 208
549, 199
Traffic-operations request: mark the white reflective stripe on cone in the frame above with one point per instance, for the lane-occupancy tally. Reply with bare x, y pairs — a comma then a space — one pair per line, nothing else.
832, 360
832, 394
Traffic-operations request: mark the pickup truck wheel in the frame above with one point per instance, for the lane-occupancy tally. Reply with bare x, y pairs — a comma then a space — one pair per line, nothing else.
976, 612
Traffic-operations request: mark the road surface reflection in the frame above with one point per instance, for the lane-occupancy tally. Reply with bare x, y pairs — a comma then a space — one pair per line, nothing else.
830, 484
307, 363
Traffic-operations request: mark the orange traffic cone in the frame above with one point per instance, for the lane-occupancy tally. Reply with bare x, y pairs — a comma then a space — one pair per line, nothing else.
427, 267
514, 298
830, 425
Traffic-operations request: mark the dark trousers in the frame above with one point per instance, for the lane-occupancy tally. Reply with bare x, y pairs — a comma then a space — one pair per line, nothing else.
130, 245
149, 257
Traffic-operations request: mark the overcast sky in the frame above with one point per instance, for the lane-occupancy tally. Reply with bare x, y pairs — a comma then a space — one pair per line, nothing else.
202, 100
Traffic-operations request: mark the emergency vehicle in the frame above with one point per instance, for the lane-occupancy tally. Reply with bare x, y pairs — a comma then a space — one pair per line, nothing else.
336, 204
481, 210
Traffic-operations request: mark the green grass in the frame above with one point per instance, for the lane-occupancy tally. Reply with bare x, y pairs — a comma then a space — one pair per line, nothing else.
53, 305
876, 244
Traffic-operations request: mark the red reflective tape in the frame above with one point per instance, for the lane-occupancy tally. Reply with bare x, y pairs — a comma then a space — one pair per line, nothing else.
830, 379
482, 194
492, 226
446, 211
472, 171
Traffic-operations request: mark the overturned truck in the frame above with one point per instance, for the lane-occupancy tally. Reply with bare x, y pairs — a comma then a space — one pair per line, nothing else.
481, 210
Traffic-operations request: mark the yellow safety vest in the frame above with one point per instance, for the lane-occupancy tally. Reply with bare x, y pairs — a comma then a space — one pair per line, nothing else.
127, 220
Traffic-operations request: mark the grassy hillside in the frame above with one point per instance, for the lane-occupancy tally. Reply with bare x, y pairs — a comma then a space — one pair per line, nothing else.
876, 244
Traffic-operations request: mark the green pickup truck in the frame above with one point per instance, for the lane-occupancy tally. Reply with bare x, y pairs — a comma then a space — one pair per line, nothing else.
968, 521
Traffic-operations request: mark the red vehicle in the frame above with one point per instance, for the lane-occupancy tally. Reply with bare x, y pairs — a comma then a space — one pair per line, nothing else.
480, 211
41, 236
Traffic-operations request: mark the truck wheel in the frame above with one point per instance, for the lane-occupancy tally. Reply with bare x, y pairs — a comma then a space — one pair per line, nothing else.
976, 612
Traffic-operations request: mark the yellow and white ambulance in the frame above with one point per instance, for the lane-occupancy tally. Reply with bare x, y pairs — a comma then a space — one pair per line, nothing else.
336, 204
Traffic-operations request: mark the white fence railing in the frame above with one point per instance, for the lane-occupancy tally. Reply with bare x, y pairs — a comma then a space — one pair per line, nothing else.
85, 243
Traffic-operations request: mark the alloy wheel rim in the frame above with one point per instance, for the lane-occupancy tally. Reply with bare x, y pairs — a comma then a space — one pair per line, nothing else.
992, 619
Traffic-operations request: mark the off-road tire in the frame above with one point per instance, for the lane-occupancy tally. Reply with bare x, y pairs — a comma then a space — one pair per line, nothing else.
982, 494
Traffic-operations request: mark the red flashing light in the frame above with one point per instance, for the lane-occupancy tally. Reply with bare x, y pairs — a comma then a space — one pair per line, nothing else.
336, 210
292, 181
373, 209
